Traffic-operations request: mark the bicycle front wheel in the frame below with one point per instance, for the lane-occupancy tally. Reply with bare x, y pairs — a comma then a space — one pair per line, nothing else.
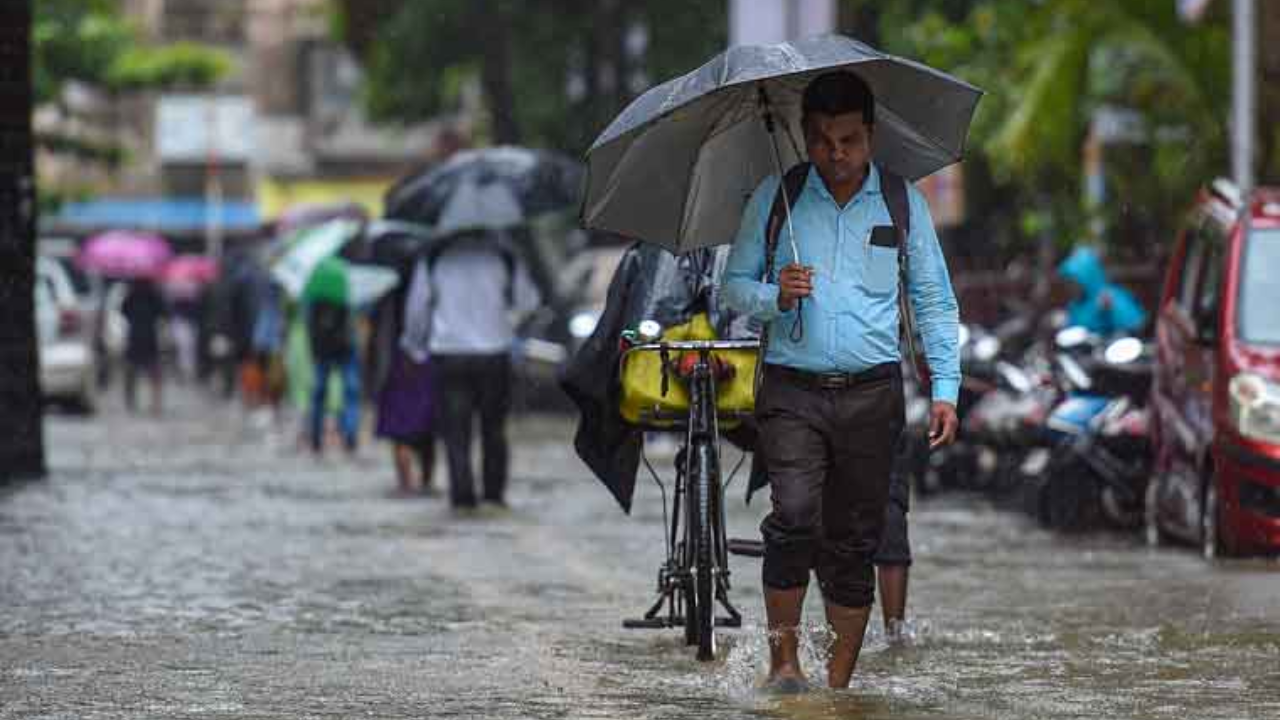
703, 519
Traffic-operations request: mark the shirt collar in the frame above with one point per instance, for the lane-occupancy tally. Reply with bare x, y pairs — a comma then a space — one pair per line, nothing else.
871, 186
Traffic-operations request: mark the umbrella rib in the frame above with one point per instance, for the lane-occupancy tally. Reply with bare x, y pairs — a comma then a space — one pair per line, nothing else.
711, 132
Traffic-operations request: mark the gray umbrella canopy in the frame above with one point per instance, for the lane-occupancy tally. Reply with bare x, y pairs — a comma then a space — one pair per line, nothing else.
678, 165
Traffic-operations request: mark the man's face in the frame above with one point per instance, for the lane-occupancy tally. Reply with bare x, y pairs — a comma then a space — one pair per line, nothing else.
839, 145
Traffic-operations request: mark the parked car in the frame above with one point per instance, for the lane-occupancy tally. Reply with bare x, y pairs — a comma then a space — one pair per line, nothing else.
67, 370
1217, 380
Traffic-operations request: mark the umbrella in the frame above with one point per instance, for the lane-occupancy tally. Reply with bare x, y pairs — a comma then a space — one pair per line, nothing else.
487, 189
394, 243
678, 165
303, 251
185, 275
336, 280
124, 254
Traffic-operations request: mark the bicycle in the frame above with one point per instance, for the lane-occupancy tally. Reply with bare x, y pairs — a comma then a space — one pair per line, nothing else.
695, 575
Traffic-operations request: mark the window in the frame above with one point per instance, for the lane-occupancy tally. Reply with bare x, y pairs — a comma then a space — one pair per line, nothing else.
1191, 262
1214, 243
1259, 287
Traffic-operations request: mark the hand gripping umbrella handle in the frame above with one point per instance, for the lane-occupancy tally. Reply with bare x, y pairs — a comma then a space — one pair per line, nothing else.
770, 126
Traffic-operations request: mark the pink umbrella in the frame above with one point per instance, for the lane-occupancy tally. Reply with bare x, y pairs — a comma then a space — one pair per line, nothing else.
185, 275
124, 254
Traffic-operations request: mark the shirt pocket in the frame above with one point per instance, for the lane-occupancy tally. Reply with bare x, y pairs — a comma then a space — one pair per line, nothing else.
880, 264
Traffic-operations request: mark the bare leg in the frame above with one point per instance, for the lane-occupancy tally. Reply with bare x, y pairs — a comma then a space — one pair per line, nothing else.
783, 608
403, 456
893, 597
849, 624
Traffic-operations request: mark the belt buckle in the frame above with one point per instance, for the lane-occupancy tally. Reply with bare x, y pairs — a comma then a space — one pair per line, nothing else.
833, 381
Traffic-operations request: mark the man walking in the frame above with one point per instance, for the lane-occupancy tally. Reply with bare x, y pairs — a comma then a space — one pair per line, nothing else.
830, 409
461, 311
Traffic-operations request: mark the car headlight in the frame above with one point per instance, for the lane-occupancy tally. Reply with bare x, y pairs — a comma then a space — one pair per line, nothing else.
583, 324
1255, 407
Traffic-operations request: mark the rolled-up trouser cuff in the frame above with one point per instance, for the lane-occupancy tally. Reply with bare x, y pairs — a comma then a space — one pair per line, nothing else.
895, 545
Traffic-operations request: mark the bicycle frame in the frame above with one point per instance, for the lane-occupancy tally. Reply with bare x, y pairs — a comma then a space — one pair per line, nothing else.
695, 576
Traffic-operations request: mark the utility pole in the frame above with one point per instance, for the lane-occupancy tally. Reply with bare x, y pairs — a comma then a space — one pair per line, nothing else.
212, 181
21, 410
1244, 93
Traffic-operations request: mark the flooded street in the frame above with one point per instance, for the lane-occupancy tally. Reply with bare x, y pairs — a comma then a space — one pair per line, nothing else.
199, 566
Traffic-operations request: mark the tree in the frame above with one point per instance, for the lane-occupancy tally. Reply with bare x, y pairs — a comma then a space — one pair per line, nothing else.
1048, 67
551, 73
92, 43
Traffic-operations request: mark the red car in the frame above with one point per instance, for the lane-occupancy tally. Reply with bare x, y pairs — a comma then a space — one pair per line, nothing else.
1216, 391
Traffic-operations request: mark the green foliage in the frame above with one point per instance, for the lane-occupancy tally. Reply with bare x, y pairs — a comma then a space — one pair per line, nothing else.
90, 41
178, 65
1047, 67
551, 73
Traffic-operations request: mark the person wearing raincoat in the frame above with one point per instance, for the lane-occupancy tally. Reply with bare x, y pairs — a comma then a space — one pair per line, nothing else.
1101, 307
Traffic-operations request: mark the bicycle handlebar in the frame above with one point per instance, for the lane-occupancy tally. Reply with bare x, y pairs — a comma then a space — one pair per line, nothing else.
679, 345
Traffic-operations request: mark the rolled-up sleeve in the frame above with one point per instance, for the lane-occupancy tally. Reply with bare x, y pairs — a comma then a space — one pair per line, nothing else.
934, 302
743, 289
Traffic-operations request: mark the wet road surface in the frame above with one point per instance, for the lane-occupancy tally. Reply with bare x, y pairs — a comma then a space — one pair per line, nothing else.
199, 566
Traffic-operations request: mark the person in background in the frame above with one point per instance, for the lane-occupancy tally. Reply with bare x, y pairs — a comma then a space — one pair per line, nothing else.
185, 319
462, 310
143, 308
893, 555
1100, 306
333, 348
406, 401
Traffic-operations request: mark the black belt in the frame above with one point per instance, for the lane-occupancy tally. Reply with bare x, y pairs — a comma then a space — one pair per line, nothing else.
836, 381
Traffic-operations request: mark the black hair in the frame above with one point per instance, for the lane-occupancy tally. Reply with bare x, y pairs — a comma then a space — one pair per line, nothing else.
837, 93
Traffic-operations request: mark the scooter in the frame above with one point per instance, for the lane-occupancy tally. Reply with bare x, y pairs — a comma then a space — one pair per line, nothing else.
1101, 456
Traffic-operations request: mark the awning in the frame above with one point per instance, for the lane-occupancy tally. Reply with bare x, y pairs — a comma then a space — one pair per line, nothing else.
163, 215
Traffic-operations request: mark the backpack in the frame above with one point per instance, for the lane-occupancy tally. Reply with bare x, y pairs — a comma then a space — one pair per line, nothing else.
330, 329
894, 188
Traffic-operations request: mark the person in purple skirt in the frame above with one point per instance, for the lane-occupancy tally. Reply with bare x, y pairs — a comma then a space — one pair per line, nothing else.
406, 404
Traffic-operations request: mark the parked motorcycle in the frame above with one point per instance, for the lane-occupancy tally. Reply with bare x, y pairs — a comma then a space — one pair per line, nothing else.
1100, 459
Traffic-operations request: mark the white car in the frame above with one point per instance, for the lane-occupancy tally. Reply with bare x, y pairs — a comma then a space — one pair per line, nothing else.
65, 332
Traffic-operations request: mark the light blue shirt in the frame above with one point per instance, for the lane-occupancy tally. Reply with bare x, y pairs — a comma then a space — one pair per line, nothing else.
851, 319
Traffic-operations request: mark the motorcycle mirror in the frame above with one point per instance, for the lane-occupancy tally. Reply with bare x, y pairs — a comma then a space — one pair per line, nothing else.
986, 349
1070, 337
1123, 351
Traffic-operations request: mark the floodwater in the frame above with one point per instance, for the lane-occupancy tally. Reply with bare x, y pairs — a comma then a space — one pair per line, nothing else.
199, 566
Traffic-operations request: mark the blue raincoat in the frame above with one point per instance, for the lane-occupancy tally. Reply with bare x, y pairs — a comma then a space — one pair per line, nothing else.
1103, 308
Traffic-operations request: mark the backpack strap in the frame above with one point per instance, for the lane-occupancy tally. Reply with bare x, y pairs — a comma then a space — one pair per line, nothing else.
894, 188
792, 184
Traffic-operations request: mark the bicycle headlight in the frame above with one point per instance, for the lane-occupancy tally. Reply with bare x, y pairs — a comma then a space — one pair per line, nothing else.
582, 324
1255, 407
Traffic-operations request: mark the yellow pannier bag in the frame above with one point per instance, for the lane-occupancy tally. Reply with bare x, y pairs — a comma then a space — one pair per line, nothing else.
643, 402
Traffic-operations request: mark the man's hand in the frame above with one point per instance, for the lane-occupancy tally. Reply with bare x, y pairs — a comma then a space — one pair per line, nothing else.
943, 424
794, 282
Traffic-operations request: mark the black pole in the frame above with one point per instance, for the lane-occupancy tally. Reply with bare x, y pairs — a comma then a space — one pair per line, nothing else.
21, 425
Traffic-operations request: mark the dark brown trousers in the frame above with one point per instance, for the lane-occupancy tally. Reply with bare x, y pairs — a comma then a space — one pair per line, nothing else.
828, 445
